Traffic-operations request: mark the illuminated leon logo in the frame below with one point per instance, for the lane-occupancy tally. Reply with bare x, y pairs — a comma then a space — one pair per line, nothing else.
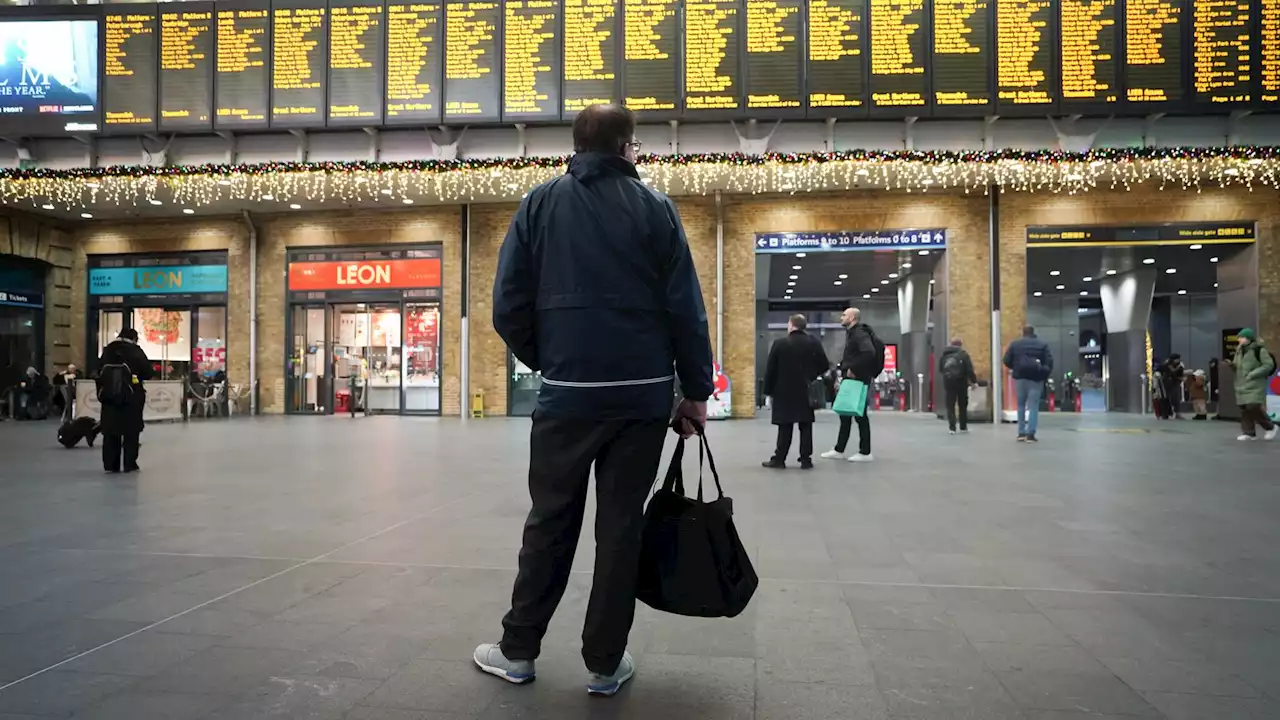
371, 274
157, 280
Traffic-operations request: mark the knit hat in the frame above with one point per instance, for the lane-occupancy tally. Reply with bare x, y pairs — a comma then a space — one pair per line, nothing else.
1247, 333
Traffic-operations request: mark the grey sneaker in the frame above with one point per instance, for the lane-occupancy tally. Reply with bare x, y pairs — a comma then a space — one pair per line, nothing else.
490, 659
606, 685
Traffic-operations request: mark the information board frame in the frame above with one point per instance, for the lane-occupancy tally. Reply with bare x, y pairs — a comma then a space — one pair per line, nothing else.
210, 62
1181, 104
737, 47
437, 74
926, 59
744, 60
154, 82
557, 47
964, 111
1053, 73
320, 118
619, 48
495, 117
677, 69
379, 70
225, 122
1091, 106
863, 65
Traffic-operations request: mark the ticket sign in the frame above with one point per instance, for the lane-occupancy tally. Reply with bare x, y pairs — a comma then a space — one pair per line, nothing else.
365, 274
174, 280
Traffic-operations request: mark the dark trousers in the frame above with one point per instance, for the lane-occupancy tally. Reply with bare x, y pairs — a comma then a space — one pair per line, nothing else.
957, 396
1251, 416
626, 454
864, 433
114, 447
784, 441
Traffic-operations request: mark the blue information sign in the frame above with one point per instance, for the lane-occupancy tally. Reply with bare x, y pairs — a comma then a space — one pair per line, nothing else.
21, 299
159, 280
843, 240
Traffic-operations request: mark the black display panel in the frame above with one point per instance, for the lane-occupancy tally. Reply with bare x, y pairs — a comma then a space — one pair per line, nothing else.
1222, 47
415, 63
773, 56
712, 71
186, 66
531, 60
472, 73
1025, 52
241, 88
1268, 13
837, 75
1153, 52
651, 57
962, 52
50, 71
591, 47
130, 66
299, 62
357, 54
899, 47
1090, 62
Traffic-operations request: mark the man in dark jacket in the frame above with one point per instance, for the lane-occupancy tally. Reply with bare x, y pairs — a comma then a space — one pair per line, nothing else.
1029, 359
794, 362
122, 423
857, 363
596, 289
955, 367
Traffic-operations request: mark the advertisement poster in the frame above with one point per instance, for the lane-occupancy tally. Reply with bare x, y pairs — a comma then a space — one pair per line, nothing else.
49, 69
720, 404
209, 357
1273, 396
891, 359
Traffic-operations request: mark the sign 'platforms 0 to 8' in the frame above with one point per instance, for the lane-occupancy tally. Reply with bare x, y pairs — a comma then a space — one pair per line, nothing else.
849, 240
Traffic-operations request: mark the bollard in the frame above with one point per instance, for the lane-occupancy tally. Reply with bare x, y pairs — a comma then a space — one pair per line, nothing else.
920, 402
1146, 392
477, 404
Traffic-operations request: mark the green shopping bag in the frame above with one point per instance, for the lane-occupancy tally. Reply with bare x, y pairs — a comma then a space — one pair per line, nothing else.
851, 399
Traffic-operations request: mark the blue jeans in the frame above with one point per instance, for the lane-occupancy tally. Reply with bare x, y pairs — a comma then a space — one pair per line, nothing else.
1028, 405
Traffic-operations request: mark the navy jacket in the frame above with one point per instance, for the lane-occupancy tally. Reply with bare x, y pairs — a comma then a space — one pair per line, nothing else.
1029, 359
596, 289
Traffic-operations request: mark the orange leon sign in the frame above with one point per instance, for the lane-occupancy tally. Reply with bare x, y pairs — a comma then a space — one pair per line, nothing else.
365, 275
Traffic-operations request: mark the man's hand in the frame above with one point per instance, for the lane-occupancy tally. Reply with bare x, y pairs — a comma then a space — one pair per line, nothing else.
690, 414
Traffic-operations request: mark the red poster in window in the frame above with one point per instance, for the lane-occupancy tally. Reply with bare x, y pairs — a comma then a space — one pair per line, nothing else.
365, 274
890, 358
422, 328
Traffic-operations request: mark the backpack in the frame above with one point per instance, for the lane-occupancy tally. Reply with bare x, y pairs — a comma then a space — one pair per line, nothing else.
953, 367
875, 365
1257, 353
115, 384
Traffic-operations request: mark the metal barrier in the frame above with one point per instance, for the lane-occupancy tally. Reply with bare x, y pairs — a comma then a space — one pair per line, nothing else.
921, 403
1145, 387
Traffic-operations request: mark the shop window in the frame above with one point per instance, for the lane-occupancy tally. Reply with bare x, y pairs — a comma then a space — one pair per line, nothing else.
165, 335
209, 356
422, 357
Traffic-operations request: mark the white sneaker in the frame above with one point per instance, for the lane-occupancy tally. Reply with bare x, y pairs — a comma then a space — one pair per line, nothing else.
861, 458
832, 455
1246, 438
1270, 434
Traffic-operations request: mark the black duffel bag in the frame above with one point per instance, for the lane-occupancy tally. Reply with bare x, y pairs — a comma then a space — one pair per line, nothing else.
692, 561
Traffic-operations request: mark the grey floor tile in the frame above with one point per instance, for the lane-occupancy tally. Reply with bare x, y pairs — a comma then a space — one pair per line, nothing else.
144, 654
285, 635
1196, 678
1015, 658
1058, 691
298, 696
437, 685
364, 712
131, 705
963, 693
1008, 627
1181, 706
206, 621
807, 701
222, 671
900, 616
151, 607
61, 693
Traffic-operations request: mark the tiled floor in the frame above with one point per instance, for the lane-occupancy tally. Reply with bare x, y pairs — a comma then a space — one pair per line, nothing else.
339, 568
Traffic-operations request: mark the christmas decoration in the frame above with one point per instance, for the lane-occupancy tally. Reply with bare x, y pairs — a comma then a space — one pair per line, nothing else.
287, 183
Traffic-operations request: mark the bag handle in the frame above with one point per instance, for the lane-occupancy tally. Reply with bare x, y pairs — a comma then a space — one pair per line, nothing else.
674, 481
711, 461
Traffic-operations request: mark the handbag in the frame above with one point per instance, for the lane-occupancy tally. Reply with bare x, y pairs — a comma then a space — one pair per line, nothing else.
692, 561
851, 398
817, 394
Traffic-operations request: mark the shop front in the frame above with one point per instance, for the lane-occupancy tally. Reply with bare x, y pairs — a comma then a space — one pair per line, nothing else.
363, 329
21, 318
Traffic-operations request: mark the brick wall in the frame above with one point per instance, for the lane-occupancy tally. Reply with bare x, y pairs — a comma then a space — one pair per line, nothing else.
488, 352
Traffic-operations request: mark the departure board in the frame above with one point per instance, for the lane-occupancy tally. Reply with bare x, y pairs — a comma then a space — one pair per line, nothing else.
415, 63
651, 57
1090, 42
712, 79
1153, 51
774, 56
962, 55
472, 82
299, 58
244, 49
1221, 52
837, 80
130, 64
186, 66
591, 29
356, 52
1269, 51
531, 60
1025, 50
899, 46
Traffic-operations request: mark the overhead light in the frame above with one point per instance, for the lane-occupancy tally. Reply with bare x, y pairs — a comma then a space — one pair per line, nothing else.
188, 211
407, 201
46, 206
799, 255
923, 252
791, 284
1060, 287
385, 191
1088, 278
843, 276
1084, 292
906, 266
931, 282
268, 196
1182, 292
156, 202
1215, 284
1231, 171
795, 267
1054, 273
224, 182
1170, 271
838, 282
295, 206
793, 277
1111, 272
1149, 261
893, 275
1213, 259
866, 296
1037, 293
875, 289
884, 282
86, 216
1197, 246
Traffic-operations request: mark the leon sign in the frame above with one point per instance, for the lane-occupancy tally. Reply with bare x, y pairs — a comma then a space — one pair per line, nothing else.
365, 274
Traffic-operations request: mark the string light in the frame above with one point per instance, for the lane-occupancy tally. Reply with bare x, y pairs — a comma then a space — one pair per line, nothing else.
287, 183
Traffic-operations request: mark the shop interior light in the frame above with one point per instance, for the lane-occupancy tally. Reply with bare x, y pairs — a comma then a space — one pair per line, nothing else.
1088, 278
906, 266
1197, 246
842, 276
795, 267
1055, 273
866, 296
932, 282
1171, 271
1182, 292
268, 196
875, 289
156, 202
791, 284
407, 201
884, 282
1111, 272
1060, 287
1037, 294
793, 277
1149, 261
295, 206
893, 275
1213, 259
86, 216
1215, 284
188, 211
838, 282
47, 206
1084, 292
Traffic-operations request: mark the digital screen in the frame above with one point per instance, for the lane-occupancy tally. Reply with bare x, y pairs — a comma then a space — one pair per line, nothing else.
711, 74
1024, 53
49, 76
356, 61
414, 63
651, 56
471, 47
961, 53
531, 60
131, 63
590, 54
1153, 51
241, 84
299, 55
775, 55
899, 45
1221, 51
1269, 51
1090, 44
186, 67
837, 81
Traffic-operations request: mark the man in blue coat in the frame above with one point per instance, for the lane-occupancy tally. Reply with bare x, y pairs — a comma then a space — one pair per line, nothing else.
596, 289
1031, 363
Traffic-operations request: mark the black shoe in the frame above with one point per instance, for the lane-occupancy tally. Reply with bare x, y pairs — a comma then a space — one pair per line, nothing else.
1032, 438
773, 464
132, 468
1022, 438
806, 464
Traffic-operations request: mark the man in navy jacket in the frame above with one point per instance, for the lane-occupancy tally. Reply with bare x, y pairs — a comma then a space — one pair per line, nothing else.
596, 289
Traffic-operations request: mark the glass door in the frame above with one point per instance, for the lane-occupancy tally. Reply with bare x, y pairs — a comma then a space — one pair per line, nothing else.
110, 323
385, 358
421, 364
308, 388
348, 343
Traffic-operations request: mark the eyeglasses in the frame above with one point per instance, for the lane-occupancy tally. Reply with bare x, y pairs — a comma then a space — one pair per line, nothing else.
634, 145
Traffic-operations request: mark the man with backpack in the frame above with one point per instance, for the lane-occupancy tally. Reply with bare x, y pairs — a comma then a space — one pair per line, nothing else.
863, 360
1029, 359
956, 369
121, 372
1254, 365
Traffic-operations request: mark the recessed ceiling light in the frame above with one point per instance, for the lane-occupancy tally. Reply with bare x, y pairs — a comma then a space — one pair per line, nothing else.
893, 275
1231, 171
1084, 292
224, 182
268, 196
188, 211
1213, 259
793, 277
1182, 292
795, 267
86, 216
1215, 284
1060, 287
791, 284
1054, 273
931, 282
1088, 278
1170, 271
1037, 293
842, 276
906, 266
923, 252
46, 206
875, 289
866, 296
407, 201
385, 191
1111, 272
156, 202
838, 282
1197, 246
800, 255
1149, 261
295, 206
884, 282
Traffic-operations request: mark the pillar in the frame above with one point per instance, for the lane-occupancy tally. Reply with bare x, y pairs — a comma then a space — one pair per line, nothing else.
1126, 306
913, 320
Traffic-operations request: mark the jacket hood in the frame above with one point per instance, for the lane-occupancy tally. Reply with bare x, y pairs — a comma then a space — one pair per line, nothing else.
951, 350
588, 167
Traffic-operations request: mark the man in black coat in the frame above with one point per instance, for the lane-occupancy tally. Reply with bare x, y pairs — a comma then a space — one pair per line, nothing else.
955, 367
794, 362
122, 424
856, 363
